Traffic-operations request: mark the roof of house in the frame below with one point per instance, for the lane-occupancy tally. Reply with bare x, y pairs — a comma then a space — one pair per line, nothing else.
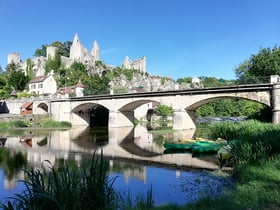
38, 79
26, 105
70, 89
80, 84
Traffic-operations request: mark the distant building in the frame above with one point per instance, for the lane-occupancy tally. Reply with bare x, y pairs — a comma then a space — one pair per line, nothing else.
138, 64
26, 108
196, 80
43, 85
77, 90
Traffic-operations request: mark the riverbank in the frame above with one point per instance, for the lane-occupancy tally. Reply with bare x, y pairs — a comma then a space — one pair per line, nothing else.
11, 121
256, 167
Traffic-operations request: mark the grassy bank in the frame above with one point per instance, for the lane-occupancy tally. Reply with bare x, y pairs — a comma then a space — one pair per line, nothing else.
39, 122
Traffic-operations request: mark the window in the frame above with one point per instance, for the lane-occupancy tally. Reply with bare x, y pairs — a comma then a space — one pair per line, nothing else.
33, 86
40, 86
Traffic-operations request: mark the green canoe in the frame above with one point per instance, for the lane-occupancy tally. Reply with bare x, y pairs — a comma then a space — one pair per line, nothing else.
195, 147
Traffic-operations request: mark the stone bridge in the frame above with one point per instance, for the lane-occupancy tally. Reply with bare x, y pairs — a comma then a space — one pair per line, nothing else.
120, 107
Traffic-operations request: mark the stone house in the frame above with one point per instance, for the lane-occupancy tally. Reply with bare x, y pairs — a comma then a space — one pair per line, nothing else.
43, 85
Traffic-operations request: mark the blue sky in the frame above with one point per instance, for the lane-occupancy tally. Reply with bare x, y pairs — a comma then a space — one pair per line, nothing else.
180, 38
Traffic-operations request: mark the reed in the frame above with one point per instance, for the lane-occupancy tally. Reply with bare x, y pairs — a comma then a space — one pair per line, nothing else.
256, 139
85, 187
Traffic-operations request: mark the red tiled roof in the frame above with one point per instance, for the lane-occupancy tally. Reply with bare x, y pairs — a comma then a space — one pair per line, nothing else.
26, 105
80, 84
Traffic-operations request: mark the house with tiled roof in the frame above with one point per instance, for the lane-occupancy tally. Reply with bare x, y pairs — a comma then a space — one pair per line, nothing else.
75, 90
43, 85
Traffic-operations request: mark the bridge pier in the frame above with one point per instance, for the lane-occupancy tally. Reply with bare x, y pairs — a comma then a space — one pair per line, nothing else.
183, 120
275, 104
119, 119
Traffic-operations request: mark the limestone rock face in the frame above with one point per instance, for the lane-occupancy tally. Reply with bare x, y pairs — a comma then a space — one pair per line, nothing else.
143, 83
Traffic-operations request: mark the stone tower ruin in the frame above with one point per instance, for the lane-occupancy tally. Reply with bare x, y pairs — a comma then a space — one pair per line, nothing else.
139, 64
79, 53
13, 58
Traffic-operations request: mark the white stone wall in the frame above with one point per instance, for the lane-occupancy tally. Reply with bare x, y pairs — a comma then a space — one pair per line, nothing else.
51, 52
48, 86
13, 58
139, 64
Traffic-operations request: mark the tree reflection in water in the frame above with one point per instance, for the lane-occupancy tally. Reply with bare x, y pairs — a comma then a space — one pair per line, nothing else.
11, 162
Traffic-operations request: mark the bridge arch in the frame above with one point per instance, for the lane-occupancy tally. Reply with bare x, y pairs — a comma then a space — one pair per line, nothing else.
128, 111
42, 108
200, 103
92, 114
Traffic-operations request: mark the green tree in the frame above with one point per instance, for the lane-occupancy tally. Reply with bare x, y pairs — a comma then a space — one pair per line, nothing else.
12, 67
95, 85
259, 67
18, 80
1, 70
41, 51
184, 80
3, 82
53, 64
164, 110
29, 69
211, 82
63, 48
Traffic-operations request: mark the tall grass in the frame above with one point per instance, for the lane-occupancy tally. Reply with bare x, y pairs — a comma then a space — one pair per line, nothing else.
69, 187
86, 187
261, 137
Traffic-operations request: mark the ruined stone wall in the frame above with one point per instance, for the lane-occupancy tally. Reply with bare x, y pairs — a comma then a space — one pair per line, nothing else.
13, 58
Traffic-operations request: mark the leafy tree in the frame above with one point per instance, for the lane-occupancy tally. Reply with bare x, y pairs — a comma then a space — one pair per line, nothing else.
71, 76
18, 80
211, 82
63, 48
41, 51
232, 107
164, 110
12, 67
29, 69
184, 80
95, 84
3, 82
259, 67
53, 64
1, 70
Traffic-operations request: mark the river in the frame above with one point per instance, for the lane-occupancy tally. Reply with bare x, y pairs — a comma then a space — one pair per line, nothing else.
136, 158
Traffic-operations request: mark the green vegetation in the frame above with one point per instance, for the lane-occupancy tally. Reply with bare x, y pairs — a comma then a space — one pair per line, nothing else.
259, 67
164, 110
34, 123
55, 124
234, 108
65, 187
68, 186
11, 162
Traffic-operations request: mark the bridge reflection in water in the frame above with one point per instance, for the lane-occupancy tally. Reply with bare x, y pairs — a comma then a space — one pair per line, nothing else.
132, 144
136, 145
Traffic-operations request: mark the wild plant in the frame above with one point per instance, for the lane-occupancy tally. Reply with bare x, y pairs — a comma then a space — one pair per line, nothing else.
66, 188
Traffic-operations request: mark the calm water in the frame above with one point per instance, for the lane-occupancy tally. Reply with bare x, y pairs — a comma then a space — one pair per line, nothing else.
136, 157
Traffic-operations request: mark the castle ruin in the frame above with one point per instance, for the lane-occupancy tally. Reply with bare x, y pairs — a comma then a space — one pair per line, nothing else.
139, 64
78, 53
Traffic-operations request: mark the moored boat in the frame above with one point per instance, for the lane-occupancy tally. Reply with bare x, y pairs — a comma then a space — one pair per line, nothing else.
195, 147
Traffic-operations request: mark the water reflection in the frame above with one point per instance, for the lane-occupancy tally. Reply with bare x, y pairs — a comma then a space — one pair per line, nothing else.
130, 145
